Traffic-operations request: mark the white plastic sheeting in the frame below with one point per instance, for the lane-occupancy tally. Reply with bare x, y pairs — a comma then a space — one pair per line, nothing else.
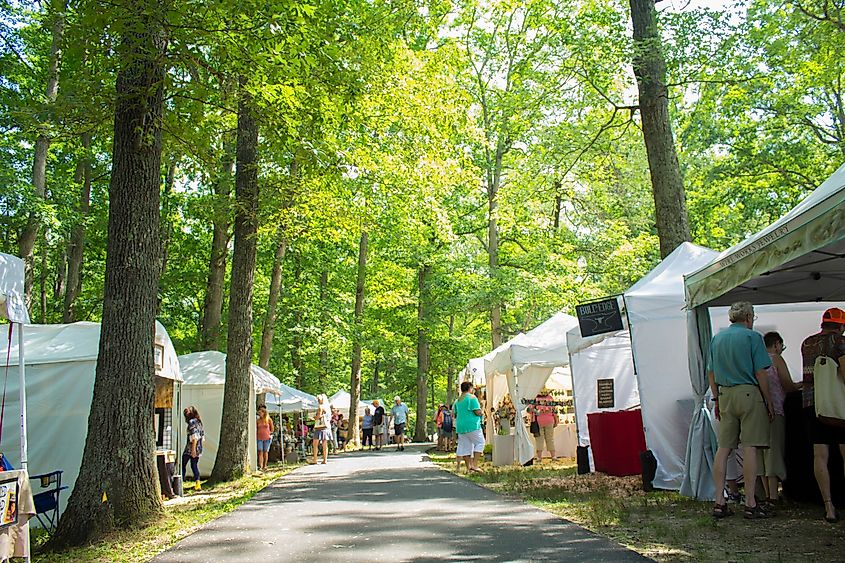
605, 356
291, 399
342, 399
61, 363
205, 378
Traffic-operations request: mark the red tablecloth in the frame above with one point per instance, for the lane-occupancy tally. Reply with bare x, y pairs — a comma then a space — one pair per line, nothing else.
616, 439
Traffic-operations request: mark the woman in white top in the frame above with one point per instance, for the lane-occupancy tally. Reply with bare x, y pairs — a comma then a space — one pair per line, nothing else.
322, 427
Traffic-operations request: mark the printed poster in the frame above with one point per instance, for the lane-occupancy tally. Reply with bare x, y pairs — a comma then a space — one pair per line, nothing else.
8, 501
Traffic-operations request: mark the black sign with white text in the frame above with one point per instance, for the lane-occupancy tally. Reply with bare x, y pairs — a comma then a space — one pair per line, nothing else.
599, 317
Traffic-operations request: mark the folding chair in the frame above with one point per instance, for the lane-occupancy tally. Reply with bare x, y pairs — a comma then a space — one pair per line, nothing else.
47, 502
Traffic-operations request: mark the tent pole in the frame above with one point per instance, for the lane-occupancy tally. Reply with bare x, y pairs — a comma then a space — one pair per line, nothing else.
22, 390
281, 428
24, 447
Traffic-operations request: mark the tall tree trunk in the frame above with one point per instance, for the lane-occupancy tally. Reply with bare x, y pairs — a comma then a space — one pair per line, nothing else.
357, 338
324, 346
29, 235
423, 352
296, 339
273, 300
212, 310
76, 251
374, 384
166, 213
494, 177
667, 183
450, 369
118, 485
233, 454
42, 279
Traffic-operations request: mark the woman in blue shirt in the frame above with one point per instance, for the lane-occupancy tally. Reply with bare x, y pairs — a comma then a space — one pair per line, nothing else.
468, 425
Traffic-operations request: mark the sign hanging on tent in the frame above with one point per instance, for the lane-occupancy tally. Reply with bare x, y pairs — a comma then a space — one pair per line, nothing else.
8, 502
599, 317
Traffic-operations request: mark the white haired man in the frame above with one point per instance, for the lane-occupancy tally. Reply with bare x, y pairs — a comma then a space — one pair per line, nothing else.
736, 369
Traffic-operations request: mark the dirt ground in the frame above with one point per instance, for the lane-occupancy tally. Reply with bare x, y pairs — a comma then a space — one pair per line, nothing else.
665, 525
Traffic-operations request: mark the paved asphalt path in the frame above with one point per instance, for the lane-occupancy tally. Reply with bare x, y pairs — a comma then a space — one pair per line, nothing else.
387, 506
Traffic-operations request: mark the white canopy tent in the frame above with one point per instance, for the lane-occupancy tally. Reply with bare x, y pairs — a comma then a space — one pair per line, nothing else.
205, 379
291, 399
526, 362
796, 259
61, 362
647, 361
341, 401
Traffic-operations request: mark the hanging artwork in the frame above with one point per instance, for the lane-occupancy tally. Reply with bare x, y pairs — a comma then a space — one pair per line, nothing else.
8, 501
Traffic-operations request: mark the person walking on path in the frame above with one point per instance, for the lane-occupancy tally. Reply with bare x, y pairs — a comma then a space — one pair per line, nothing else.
322, 428
264, 435
468, 425
780, 383
378, 424
399, 415
193, 448
831, 344
736, 369
546, 416
367, 428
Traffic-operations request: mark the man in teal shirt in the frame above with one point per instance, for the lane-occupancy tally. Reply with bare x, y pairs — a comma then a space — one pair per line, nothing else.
736, 369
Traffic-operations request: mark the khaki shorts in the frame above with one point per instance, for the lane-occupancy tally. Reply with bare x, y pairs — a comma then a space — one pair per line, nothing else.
547, 435
744, 417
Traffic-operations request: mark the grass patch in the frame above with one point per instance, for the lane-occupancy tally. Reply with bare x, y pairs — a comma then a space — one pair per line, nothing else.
182, 517
662, 525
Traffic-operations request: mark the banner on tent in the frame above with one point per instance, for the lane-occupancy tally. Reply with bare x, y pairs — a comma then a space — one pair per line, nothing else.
599, 317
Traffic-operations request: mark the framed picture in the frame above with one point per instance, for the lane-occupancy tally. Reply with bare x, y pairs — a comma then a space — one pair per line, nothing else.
158, 357
8, 501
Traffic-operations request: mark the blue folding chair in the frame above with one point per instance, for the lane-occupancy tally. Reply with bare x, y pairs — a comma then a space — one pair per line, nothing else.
47, 501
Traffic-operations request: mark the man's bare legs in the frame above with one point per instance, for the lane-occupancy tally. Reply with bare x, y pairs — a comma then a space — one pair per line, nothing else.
720, 462
821, 453
749, 473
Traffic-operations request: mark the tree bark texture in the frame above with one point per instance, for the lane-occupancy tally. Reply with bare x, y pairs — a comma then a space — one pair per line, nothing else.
118, 484
324, 319
212, 310
667, 183
233, 453
450, 370
76, 250
423, 352
357, 332
273, 301
296, 338
493, 183
167, 214
29, 235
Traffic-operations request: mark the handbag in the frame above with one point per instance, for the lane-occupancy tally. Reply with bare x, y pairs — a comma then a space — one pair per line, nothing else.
535, 427
828, 392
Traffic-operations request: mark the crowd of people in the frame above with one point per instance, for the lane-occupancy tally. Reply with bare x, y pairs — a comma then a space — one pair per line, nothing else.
749, 380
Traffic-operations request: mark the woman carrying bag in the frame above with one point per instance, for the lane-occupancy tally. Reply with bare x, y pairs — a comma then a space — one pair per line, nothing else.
543, 424
322, 428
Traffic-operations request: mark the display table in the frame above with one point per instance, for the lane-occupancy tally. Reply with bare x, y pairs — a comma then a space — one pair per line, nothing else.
14, 538
616, 440
503, 450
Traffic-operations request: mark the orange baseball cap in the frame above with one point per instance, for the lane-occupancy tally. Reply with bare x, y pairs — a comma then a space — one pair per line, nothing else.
834, 315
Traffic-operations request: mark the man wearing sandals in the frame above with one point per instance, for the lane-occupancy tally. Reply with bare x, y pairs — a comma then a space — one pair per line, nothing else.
829, 342
736, 368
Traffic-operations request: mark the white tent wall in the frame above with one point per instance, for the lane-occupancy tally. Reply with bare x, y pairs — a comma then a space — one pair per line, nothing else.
59, 395
607, 356
208, 399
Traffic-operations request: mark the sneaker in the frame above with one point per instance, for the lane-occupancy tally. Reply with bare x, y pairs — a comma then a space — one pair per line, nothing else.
756, 513
733, 497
